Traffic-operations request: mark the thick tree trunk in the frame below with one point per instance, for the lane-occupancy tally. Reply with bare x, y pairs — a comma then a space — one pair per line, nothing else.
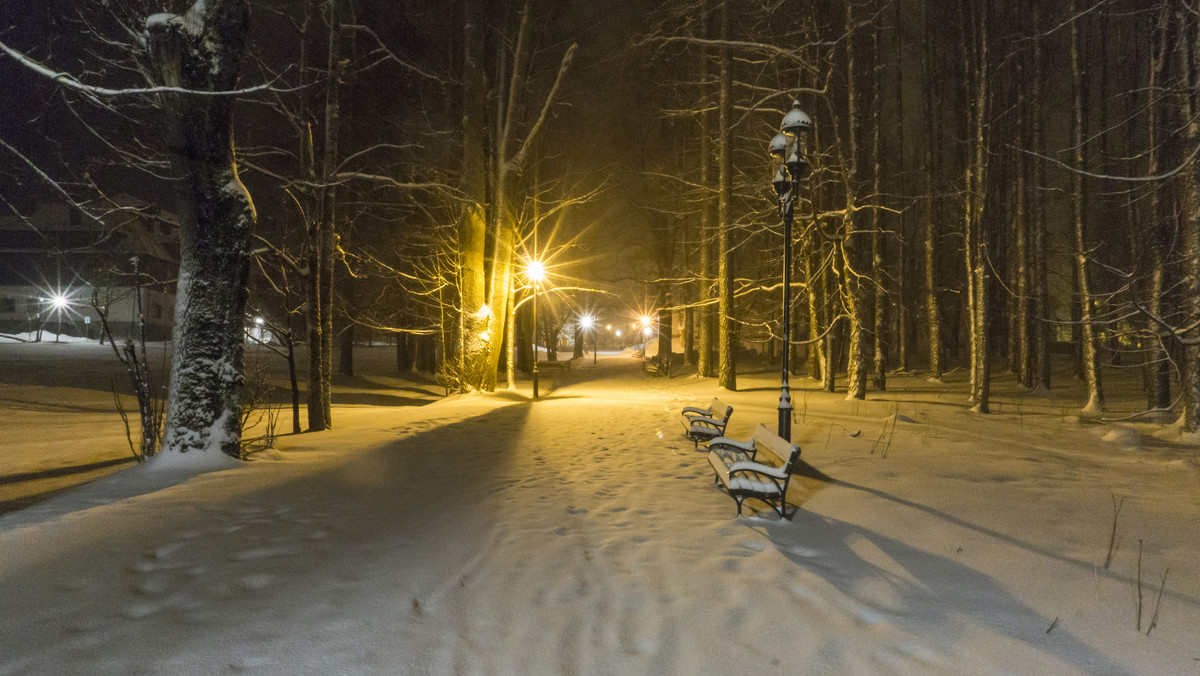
665, 326
203, 51
1160, 211
932, 310
329, 203
727, 359
1190, 265
879, 273
815, 275
405, 359
346, 350
705, 363
474, 322
1040, 335
855, 294
1091, 363
903, 285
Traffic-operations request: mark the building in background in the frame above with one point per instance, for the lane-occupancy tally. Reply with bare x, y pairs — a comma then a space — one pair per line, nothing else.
56, 262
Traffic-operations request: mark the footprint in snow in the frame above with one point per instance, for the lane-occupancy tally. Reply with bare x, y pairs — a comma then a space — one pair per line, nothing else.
265, 553
255, 582
576, 510
139, 610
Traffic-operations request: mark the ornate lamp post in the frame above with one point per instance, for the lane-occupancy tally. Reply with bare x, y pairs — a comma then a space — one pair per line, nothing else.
536, 272
788, 150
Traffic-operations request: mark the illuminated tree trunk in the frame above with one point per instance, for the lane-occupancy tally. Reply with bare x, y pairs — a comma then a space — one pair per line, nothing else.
705, 364
727, 364
903, 283
202, 51
1091, 363
475, 313
932, 311
879, 275
814, 273
1160, 211
1190, 265
855, 287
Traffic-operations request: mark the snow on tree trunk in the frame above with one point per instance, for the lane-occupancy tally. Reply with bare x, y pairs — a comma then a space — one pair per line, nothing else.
202, 50
474, 324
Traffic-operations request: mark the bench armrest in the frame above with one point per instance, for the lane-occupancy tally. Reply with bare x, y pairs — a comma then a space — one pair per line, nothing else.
697, 410
748, 466
719, 424
725, 442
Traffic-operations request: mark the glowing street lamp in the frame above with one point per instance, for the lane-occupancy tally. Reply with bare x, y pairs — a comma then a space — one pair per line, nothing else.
789, 157
589, 323
58, 303
535, 271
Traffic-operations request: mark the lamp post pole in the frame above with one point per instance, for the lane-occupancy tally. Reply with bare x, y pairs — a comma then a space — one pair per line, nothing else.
535, 337
789, 149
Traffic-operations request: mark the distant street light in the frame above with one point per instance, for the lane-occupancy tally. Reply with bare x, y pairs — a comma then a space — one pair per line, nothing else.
535, 271
589, 324
58, 303
788, 150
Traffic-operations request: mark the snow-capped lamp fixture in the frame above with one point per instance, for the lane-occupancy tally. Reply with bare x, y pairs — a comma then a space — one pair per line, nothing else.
789, 158
535, 271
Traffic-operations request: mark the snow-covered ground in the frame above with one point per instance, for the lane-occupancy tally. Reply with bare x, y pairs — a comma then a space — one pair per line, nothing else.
582, 534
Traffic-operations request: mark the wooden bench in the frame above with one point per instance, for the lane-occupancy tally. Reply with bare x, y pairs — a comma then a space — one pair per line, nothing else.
657, 366
705, 424
741, 466
554, 366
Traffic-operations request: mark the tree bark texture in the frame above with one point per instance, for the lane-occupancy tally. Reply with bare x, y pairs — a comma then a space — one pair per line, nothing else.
202, 50
727, 359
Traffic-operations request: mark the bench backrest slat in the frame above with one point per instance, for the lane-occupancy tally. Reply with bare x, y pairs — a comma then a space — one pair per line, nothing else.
772, 444
719, 410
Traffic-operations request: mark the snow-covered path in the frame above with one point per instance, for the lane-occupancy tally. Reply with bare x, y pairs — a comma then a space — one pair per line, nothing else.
582, 534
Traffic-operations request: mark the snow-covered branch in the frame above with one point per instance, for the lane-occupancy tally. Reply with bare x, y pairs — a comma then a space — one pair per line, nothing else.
71, 82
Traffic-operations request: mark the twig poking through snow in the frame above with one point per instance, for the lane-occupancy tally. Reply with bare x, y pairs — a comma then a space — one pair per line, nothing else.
1158, 602
1112, 540
1052, 625
1139, 587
